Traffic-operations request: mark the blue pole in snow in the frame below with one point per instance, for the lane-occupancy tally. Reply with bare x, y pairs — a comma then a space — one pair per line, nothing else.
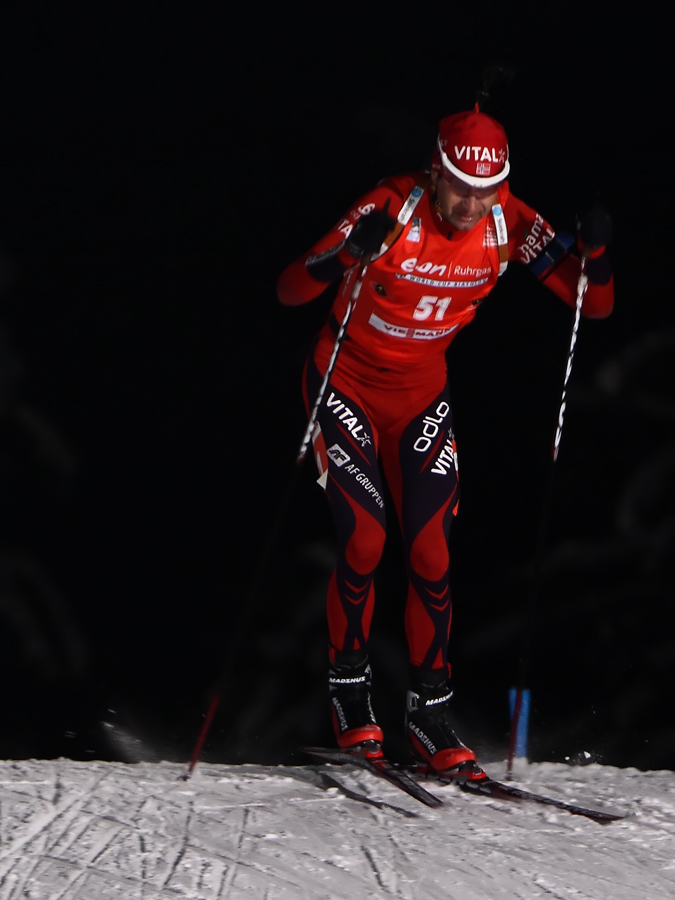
523, 721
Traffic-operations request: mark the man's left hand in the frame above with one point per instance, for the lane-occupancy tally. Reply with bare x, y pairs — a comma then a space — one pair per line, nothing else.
595, 229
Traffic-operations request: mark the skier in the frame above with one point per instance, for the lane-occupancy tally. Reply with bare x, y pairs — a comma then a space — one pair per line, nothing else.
433, 245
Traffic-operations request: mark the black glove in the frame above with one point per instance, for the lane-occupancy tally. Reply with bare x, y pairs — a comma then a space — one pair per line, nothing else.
368, 235
595, 226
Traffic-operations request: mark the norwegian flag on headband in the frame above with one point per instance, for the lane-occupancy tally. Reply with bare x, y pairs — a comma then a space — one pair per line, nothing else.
473, 146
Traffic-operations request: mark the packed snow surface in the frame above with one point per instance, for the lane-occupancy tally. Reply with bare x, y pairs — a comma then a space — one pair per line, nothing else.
94, 831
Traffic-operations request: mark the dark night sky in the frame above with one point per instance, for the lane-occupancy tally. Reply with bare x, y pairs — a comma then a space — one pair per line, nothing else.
156, 174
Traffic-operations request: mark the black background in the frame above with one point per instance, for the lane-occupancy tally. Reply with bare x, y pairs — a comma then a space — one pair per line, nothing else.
158, 170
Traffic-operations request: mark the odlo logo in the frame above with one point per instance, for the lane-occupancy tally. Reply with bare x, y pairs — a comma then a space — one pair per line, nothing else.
431, 427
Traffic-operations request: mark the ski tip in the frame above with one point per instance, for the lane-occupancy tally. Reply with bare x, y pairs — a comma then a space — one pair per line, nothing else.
603, 818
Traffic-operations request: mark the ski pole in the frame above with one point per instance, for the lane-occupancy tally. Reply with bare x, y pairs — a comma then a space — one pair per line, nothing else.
582, 284
248, 609
351, 303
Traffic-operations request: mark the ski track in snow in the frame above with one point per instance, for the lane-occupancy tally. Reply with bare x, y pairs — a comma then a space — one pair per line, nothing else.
97, 831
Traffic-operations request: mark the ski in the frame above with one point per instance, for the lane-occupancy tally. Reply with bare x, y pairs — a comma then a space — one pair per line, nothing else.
380, 766
475, 781
472, 780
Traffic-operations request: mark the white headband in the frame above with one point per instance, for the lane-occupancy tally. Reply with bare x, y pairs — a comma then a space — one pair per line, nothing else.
473, 180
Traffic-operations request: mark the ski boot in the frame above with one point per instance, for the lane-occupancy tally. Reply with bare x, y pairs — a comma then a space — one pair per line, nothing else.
349, 680
428, 724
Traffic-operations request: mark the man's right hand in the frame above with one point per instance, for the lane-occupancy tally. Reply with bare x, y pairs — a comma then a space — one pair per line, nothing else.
369, 233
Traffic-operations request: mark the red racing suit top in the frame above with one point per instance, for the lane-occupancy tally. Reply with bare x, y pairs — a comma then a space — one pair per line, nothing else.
427, 286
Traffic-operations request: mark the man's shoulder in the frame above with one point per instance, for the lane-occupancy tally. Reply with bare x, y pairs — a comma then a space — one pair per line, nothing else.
529, 235
512, 205
391, 192
403, 183
518, 213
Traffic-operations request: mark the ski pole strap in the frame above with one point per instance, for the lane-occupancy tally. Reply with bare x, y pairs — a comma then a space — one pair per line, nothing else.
582, 284
502, 237
421, 184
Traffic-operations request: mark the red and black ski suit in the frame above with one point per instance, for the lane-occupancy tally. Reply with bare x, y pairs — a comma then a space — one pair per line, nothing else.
388, 393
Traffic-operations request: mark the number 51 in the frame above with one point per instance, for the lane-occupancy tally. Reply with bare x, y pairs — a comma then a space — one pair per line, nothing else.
427, 305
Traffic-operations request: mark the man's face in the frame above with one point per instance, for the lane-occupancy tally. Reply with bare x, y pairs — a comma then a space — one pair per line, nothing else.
459, 203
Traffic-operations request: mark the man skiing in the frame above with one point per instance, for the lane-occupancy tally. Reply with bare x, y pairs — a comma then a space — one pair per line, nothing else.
429, 248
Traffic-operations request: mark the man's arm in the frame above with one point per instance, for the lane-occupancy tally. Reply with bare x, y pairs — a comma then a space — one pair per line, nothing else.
556, 261
361, 230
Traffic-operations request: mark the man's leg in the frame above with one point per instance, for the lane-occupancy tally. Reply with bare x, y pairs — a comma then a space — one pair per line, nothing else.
421, 468
345, 451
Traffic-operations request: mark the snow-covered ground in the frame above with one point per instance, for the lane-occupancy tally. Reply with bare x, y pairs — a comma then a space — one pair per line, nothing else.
94, 831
